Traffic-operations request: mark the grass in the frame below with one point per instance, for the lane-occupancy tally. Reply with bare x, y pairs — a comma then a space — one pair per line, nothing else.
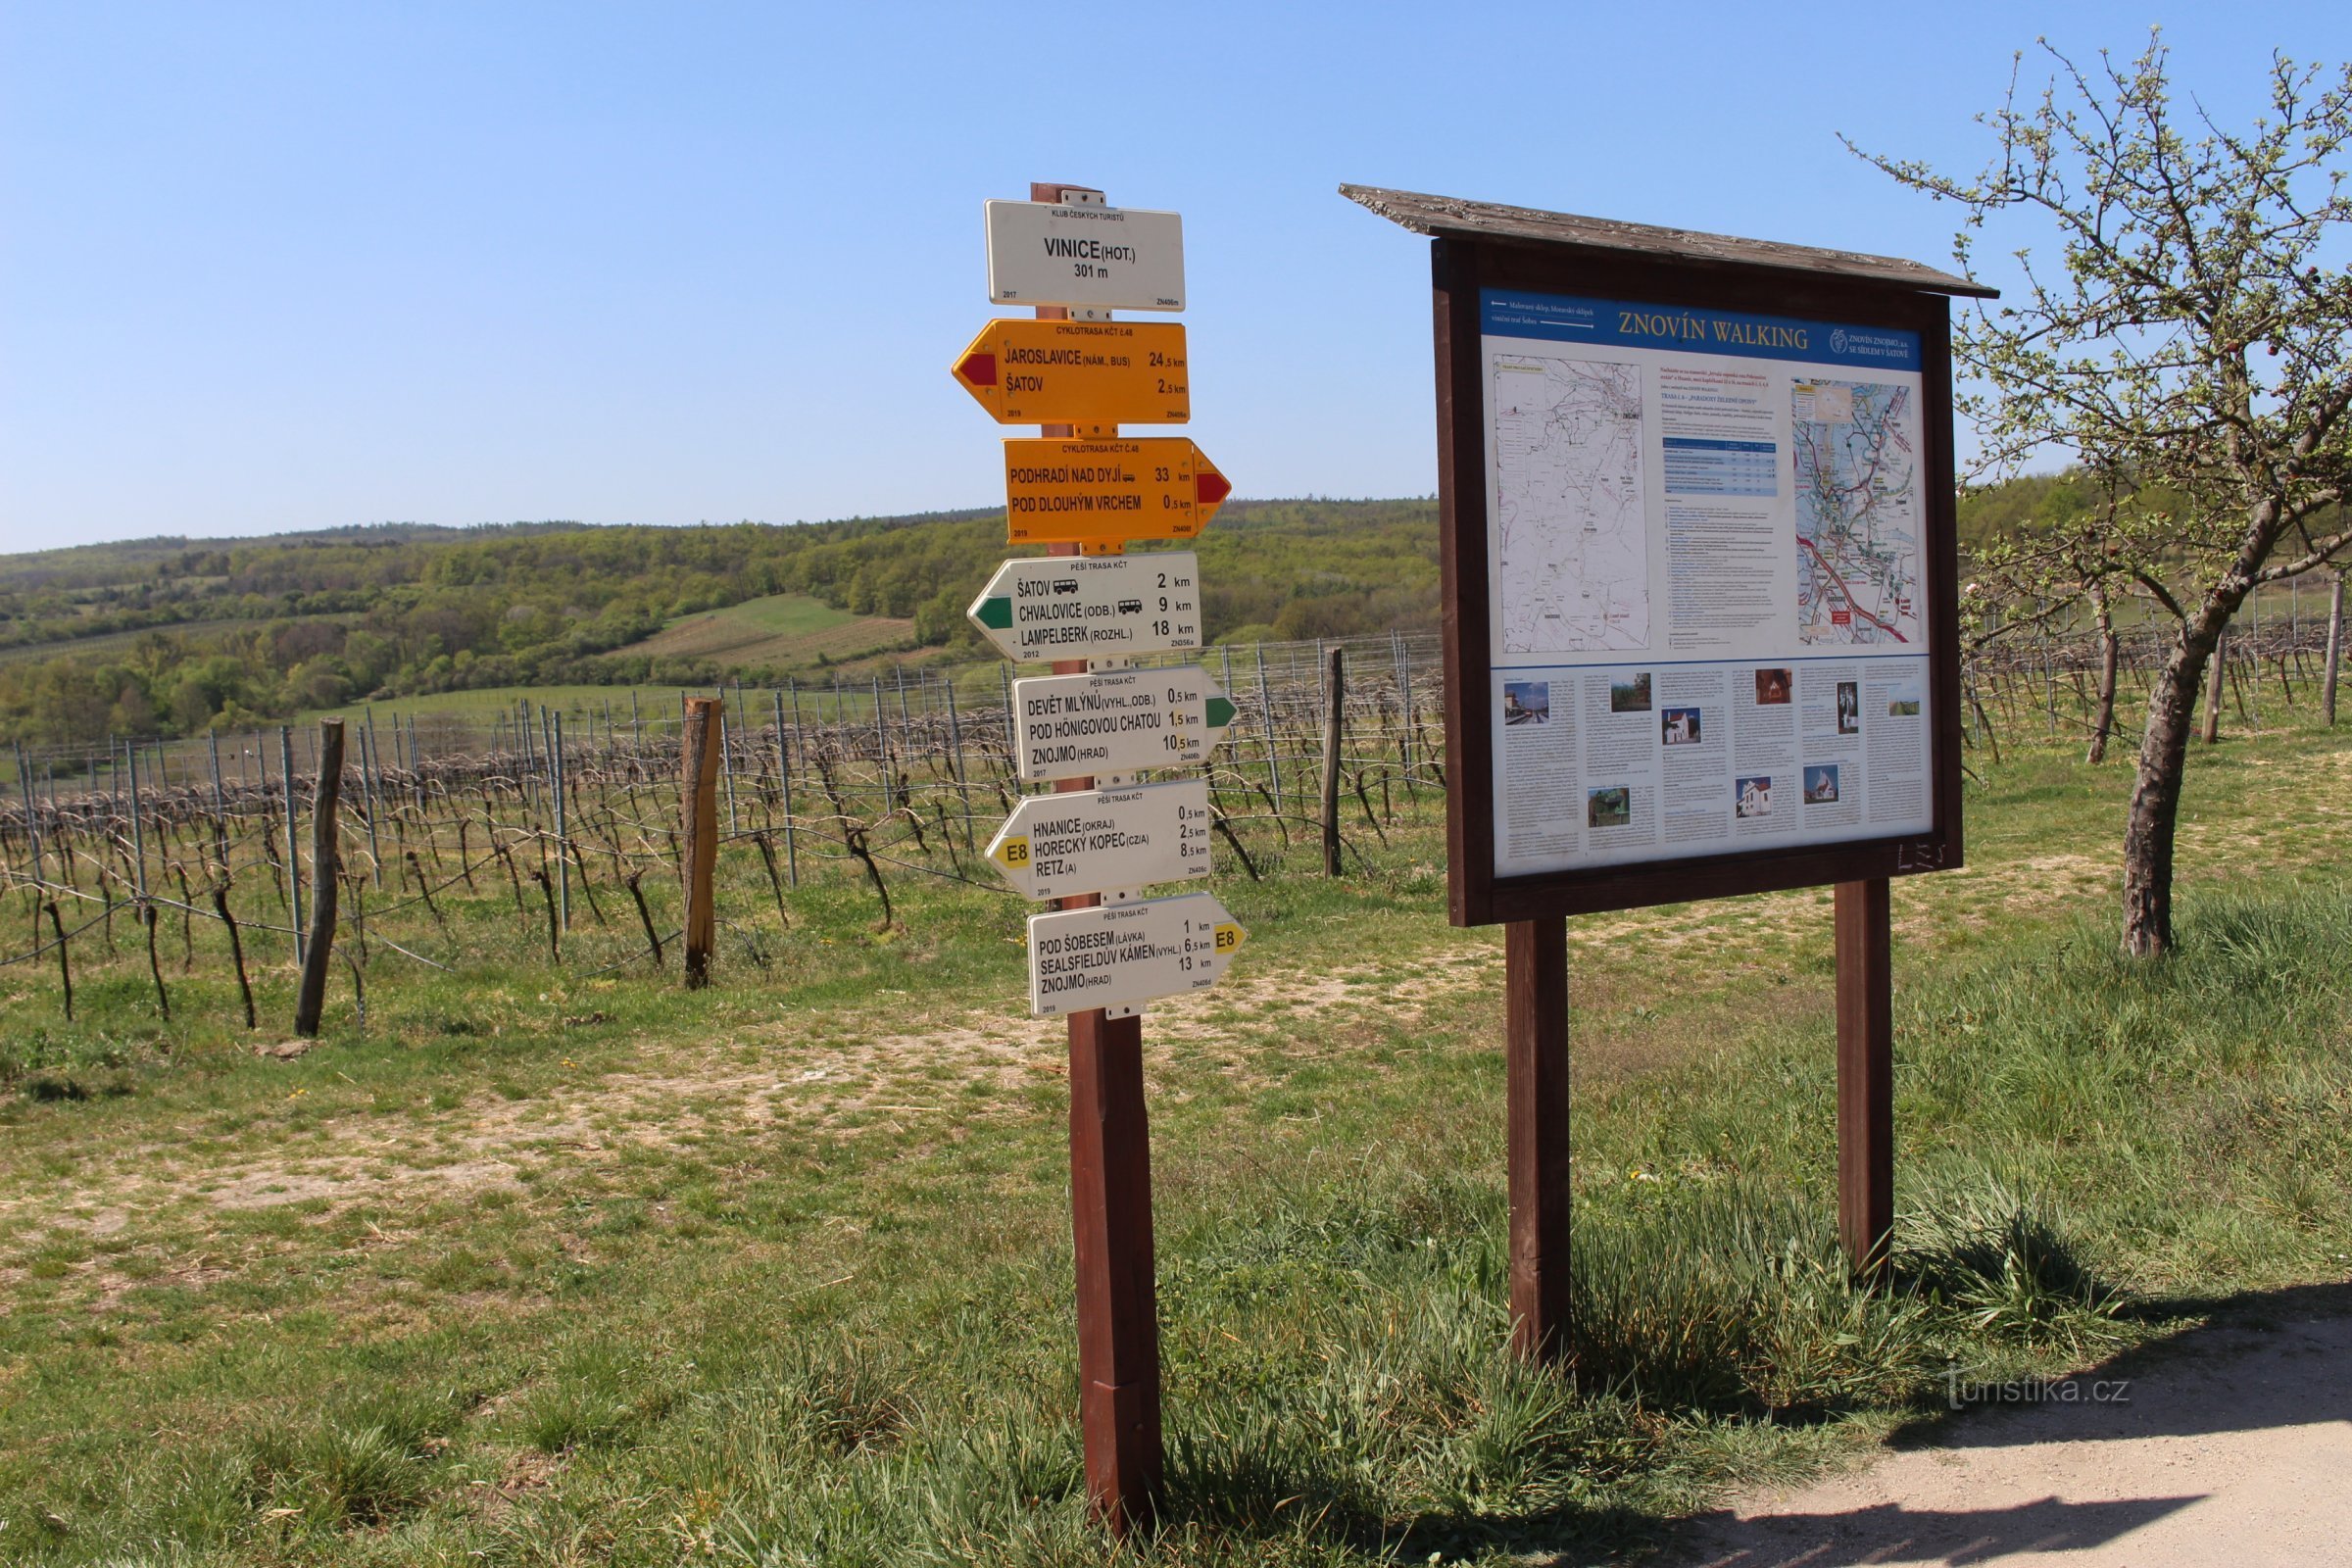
478, 706
548, 1267
781, 631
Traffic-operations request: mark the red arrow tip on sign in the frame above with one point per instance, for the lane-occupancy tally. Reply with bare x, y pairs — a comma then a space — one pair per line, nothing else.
1211, 487
978, 369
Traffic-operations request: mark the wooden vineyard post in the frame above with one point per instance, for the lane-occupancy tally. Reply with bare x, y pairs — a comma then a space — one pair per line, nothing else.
1864, 1072
698, 805
2335, 651
1335, 697
285, 756
2216, 687
326, 852
1536, 1087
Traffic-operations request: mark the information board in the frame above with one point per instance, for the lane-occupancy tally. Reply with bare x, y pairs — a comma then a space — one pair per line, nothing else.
1700, 551
1708, 620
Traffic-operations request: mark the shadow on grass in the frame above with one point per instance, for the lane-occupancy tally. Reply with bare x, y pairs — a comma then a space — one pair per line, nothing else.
1242, 1496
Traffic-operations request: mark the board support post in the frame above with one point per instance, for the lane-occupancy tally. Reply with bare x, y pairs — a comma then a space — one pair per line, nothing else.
1536, 1087
1865, 1073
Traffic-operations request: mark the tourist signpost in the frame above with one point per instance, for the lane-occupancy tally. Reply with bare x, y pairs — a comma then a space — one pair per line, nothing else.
1696, 534
1099, 494
1083, 841
1115, 721
1121, 955
1103, 953
1099, 607
1082, 373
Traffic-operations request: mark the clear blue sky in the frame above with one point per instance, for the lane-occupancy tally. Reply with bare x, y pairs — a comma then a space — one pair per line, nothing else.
277, 266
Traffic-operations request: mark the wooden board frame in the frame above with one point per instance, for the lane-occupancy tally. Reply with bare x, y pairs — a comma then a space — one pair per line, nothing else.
1459, 269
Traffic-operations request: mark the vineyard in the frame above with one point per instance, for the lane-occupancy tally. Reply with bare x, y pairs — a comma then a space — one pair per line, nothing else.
558, 829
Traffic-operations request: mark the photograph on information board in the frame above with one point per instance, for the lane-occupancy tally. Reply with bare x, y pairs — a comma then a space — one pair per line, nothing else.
1706, 546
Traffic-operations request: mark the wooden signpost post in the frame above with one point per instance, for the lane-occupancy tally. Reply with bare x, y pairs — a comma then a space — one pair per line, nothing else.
1701, 607
1085, 491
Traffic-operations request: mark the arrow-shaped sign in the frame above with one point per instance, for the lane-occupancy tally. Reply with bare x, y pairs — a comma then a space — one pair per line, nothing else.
1117, 954
1117, 721
1092, 606
1078, 372
1105, 493
1086, 841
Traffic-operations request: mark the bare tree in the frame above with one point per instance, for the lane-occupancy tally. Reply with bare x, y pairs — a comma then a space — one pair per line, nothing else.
2192, 347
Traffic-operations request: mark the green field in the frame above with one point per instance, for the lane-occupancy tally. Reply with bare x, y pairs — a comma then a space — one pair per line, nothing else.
477, 708
551, 1266
781, 631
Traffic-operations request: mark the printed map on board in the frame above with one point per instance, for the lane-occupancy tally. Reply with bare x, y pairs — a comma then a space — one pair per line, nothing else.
1570, 521
1857, 520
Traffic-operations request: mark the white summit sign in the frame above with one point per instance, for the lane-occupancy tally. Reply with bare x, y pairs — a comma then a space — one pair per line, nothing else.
1122, 955
1062, 253
1092, 606
1086, 841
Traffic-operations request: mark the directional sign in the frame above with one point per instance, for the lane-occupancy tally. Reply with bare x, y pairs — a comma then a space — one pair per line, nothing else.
1112, 258
1117, 954
1107, 492
1086, 841
1076, 607
1117, 721
1079, 373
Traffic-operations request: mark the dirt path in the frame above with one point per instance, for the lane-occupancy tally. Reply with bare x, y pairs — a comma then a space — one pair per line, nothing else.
2228, 1447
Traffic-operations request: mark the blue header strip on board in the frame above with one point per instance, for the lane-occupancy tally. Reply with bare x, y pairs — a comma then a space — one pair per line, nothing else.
1624, 323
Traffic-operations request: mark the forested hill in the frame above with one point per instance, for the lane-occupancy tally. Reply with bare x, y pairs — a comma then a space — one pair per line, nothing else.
172, 635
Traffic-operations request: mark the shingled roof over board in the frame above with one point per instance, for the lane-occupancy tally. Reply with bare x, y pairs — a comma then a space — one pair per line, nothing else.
1451, 217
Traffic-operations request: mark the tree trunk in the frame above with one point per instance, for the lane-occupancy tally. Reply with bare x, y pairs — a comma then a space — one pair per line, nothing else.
2148, 830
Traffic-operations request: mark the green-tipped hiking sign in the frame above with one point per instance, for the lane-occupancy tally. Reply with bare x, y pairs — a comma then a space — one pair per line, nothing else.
1117, 721
1092, 606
